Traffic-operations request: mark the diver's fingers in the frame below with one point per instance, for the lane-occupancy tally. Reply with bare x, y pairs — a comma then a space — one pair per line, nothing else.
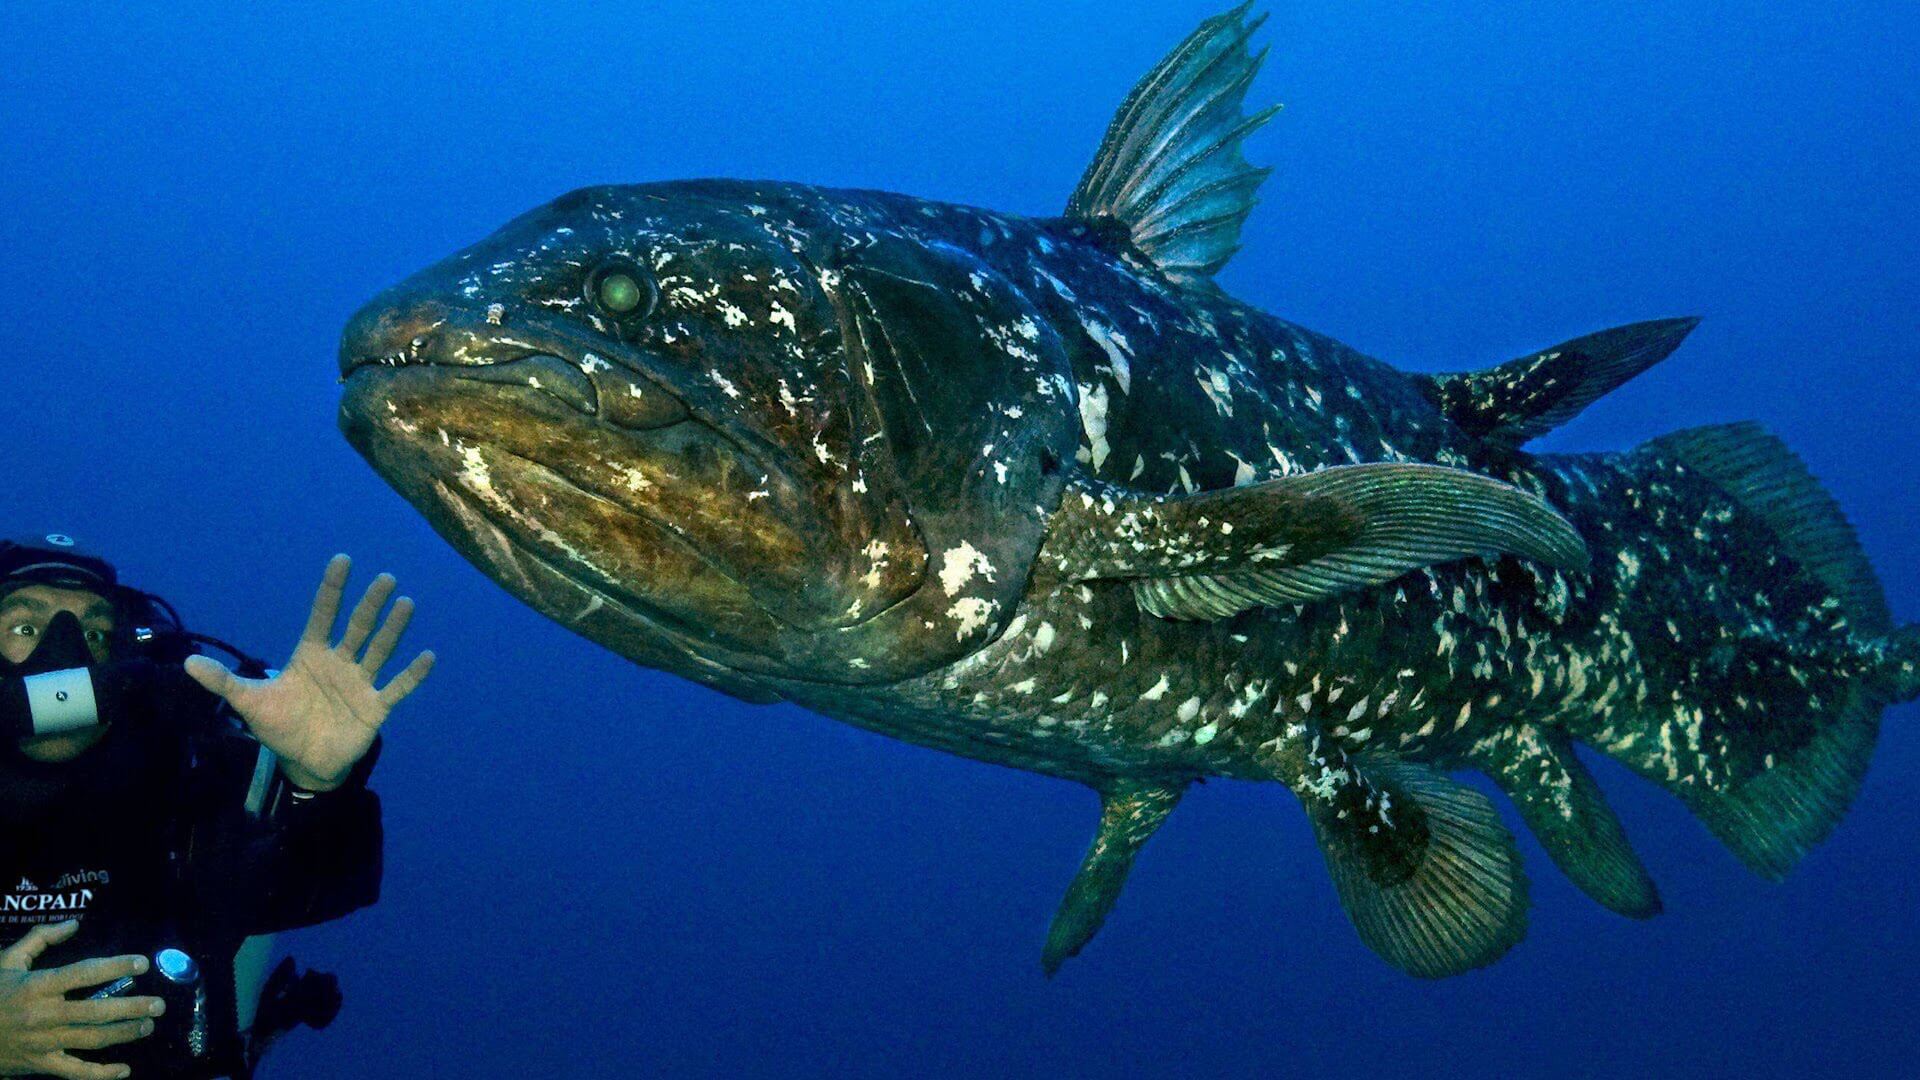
365, 615
326, 602
407, 681
20, 955
101, 1036
65, 980
216, 677
110, 1010
380, 650
68, 1067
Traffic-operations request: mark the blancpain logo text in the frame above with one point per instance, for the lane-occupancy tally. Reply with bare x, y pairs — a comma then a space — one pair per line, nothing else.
70, 896
72, 900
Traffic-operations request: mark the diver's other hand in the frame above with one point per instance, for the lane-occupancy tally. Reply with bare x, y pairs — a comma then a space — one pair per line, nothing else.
38, 1025
321, 712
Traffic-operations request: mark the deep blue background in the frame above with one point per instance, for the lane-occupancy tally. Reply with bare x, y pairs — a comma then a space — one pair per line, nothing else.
597, 870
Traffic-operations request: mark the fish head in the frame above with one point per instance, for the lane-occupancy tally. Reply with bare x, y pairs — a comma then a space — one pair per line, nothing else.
722, 431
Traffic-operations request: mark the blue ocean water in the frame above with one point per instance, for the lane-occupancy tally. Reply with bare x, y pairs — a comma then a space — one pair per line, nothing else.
596, 870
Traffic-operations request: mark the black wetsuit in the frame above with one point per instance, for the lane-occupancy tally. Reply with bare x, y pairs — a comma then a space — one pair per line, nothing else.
146, 838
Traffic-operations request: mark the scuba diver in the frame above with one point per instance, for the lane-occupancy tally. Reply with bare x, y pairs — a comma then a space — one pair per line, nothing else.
159, 809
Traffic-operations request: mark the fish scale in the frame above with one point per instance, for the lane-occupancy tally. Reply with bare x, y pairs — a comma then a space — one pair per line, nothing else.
1036, 491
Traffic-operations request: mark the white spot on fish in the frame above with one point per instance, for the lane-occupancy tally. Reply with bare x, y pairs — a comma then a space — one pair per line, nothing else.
971, 613
960, 564
1093, 420
1119, 352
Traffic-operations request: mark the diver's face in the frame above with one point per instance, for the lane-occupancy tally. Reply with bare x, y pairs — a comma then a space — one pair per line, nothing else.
24, 616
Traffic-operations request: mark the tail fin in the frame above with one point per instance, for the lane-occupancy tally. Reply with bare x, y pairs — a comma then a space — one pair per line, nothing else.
1772, 818
1903, 663
1761, 474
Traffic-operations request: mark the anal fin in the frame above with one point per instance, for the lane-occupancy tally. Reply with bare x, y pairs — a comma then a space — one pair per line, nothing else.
1563, 805
1130, 812
1424, 867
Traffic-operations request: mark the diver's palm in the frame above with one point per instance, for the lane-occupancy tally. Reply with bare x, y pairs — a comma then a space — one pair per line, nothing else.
320, 714
321, 711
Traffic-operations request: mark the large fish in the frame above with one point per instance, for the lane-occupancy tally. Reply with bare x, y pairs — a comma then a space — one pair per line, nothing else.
1037, 492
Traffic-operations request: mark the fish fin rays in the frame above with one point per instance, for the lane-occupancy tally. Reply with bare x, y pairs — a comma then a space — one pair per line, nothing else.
1772, 819
1526, 398
1782, 779
1438, 890
1760, 473
1170, 167
1303, 538
1130, 812
1565, 809
1903, 663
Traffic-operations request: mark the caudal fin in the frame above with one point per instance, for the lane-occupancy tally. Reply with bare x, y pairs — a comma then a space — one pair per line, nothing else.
1772, 817
1761, 474
1903, 663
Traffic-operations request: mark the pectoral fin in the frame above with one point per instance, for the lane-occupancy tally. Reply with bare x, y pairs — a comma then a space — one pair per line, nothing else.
1300, 538
1130, 812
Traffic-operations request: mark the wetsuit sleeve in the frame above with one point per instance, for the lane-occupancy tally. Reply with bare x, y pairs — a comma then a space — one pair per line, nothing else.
302, 859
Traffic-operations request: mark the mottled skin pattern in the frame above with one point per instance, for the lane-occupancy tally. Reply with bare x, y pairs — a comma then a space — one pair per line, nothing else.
1038, 493
780, 521
1437, 667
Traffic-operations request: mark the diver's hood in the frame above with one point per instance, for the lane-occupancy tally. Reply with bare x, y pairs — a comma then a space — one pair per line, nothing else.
54, 559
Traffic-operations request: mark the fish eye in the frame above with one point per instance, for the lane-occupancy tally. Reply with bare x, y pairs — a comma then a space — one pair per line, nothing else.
620, 293
621, 290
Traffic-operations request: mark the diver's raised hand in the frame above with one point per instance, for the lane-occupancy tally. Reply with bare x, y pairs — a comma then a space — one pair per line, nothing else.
321, 713
38, 1025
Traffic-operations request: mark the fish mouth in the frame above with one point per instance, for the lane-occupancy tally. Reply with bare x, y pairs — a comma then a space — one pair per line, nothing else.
591, 386
667, 641
517, 428
682, 633
553, 375
485, 487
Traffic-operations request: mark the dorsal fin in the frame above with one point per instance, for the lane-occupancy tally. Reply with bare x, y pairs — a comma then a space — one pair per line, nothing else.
1170, 168
1526, 398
